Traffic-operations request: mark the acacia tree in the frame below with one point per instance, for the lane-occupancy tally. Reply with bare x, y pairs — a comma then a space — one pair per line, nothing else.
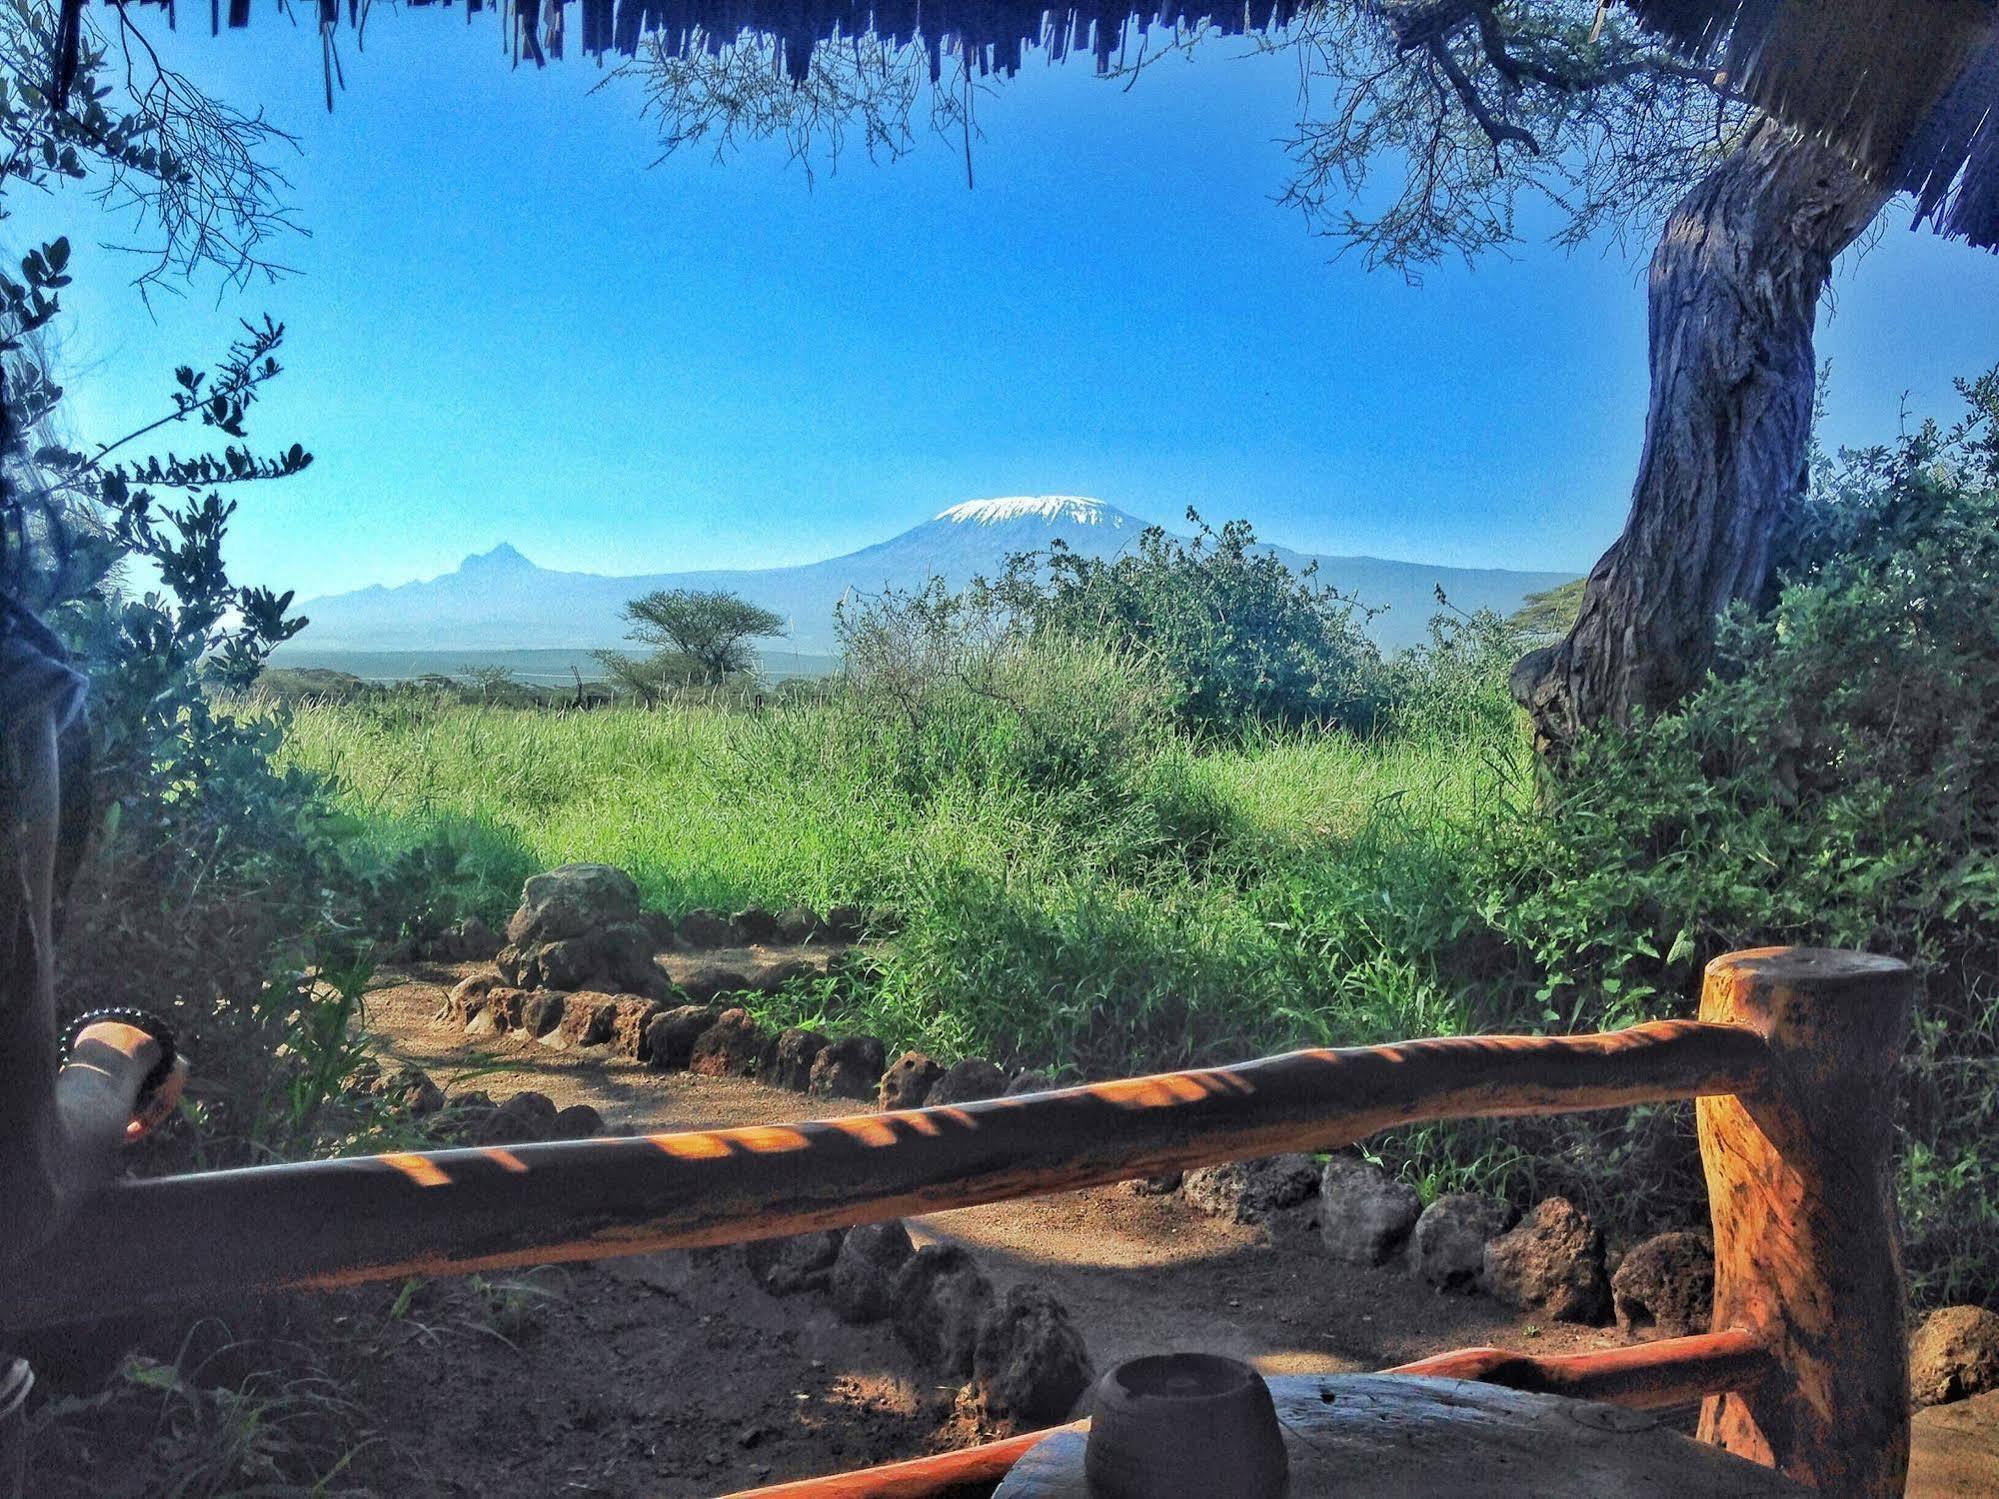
698, 634
1475, 102
1482, 101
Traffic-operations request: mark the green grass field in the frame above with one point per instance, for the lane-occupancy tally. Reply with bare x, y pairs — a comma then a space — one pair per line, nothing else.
1166, 919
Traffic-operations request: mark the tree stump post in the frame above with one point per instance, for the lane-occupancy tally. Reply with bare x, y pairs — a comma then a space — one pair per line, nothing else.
1800, 1184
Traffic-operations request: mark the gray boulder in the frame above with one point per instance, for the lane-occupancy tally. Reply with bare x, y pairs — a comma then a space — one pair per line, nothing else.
796, 924
571, 901
704, 928
670, 1035
708, 981
967, 1082
577, 1122
769, 978
848, 1068
1365, 1214
864, 1273
525, 1119
802, 1262
940, 1299
1447, 1245
792, 1056
844, 923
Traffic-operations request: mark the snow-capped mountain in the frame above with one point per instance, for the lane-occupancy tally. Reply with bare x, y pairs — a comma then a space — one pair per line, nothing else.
499, 600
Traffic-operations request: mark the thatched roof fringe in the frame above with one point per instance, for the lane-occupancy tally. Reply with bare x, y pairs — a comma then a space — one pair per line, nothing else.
1909, 89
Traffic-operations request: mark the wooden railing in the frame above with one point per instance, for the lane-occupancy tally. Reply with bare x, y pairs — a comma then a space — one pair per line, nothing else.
1791, 1061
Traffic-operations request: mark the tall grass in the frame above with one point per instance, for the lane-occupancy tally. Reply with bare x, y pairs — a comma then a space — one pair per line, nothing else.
1157, 908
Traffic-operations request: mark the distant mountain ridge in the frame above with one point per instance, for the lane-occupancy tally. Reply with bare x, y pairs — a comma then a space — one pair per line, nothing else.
499, 600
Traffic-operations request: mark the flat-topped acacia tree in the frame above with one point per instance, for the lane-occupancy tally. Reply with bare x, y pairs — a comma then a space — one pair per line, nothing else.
1757, 138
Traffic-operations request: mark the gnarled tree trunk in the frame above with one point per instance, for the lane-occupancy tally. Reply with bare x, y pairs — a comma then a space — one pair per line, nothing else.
1734, 292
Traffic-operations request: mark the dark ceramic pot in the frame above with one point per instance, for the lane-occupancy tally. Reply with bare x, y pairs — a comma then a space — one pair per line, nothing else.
1184, 1426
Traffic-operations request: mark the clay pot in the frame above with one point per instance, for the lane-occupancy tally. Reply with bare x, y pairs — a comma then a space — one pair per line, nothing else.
1184, 1424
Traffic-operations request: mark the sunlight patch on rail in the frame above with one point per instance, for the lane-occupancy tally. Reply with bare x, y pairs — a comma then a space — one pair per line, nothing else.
422, 1171
697, 1147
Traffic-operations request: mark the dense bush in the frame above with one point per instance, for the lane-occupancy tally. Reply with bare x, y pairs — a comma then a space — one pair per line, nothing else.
1836, 783
1242, 637
946, 688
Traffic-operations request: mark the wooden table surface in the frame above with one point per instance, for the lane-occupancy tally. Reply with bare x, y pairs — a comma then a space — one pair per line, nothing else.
1371, 1436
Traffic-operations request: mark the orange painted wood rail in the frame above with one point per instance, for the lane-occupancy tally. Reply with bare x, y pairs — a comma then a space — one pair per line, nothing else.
170, 1242
1647, 1376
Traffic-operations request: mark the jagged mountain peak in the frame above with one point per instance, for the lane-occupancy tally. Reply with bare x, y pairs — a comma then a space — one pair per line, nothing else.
503, 558
1071, 508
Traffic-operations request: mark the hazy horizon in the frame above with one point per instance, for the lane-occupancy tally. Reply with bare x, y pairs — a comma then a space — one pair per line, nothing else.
632, 567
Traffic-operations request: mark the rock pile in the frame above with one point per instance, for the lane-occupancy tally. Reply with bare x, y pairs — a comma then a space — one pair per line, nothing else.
527, 1118
578, 927
1551, 1262
755, 926
1025, 1360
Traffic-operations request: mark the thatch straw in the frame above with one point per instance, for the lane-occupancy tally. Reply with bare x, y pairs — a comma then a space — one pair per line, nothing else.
1909, 89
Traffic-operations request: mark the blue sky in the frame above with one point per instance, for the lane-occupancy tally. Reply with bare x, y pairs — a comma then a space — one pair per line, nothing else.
508, 324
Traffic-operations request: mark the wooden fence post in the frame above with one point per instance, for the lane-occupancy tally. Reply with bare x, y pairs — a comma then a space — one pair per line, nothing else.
1800, 1183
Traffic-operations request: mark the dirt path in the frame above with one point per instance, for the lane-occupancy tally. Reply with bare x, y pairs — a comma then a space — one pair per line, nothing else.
762, 1388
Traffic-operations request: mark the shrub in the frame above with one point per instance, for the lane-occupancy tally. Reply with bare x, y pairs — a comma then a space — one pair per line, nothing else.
1451, 690
1242, 637
947, 688
1836, 783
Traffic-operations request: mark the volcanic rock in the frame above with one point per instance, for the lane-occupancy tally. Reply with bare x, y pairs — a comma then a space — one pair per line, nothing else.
940, 1299
848, 1068
1665, 1286
908, 1080
1550, 1262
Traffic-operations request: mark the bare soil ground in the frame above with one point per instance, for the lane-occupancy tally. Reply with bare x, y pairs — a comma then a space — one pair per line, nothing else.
676, 1375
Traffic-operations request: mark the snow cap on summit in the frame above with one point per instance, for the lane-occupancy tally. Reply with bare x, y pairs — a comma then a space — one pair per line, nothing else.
1057, 507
